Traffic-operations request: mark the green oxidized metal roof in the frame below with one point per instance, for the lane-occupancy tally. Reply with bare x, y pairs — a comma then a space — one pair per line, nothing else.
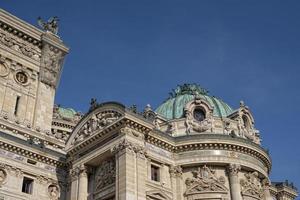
66, 113
173, 108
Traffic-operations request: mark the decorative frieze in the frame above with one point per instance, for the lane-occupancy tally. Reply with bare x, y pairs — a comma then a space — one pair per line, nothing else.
10, 38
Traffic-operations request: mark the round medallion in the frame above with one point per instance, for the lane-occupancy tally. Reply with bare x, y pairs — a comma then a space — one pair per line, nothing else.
199, 114
21, 77
3, 70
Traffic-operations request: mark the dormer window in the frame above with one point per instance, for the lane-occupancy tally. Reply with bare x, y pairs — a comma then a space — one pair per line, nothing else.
199, 114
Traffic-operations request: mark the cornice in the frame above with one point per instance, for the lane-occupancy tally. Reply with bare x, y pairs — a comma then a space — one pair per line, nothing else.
16, 27
209, 142
38, 154
28, 133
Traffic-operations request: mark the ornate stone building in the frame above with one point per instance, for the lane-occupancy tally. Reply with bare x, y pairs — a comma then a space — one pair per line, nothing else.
192, 147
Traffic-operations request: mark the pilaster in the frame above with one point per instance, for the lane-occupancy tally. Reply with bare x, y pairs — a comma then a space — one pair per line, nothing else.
176, 182
235, 188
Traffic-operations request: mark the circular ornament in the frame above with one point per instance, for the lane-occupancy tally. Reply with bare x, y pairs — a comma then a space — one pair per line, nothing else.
3, 69
21, 77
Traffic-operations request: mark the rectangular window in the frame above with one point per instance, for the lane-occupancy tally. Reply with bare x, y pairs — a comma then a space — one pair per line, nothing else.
155, 173
27, 185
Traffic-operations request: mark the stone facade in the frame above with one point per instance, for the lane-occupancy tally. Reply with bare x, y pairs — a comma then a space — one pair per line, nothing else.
192, 147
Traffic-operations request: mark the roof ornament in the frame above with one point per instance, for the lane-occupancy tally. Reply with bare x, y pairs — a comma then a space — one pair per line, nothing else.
133, 108
187, 88
242, 104
93, 104
50, 26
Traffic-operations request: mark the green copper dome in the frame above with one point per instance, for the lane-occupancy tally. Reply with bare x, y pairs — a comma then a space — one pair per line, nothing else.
173, 108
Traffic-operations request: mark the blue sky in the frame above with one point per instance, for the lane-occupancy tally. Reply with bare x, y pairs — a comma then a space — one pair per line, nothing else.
136, 51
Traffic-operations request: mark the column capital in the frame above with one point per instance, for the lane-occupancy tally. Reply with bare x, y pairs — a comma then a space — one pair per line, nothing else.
129, 147
233, 169
175, 171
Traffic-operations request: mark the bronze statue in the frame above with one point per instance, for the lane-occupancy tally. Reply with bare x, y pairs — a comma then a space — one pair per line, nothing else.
51, 25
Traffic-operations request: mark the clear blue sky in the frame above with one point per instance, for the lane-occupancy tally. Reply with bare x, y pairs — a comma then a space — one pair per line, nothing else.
136, 51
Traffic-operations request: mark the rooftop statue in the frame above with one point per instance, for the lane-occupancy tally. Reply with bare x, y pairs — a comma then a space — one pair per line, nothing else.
51, 25
186, 88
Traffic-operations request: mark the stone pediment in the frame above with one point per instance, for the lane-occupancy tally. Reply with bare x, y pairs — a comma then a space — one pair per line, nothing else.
96, 121
157, 195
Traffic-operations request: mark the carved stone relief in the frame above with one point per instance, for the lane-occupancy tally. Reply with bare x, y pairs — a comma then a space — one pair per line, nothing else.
175, 171
204, 181
51, 64
128, 146
4, 69
53, 192
251, 185
105, 174
96, 122
3, 176
193, 121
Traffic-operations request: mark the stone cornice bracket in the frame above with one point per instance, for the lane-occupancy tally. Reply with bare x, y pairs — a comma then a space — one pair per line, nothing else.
176, 171
127, 146
53, 53
233, 169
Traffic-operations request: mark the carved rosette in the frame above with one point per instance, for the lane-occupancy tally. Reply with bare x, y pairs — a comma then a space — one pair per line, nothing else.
205, 181
105, 174
176, 171
251, 186
51, 63
17, 44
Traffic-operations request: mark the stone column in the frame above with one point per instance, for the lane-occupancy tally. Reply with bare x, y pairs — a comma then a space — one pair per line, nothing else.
83, 183
73, 194
176, 182
266, 185
235, 188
